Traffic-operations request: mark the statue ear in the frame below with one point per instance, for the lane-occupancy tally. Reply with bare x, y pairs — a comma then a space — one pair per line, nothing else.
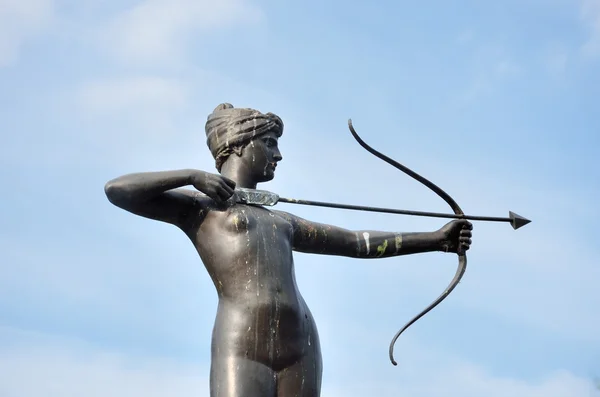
223, 106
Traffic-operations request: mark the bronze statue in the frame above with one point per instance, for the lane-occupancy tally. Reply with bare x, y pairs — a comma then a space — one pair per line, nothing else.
265, 342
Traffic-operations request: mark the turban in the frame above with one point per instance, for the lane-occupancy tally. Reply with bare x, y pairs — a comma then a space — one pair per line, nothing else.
229, 128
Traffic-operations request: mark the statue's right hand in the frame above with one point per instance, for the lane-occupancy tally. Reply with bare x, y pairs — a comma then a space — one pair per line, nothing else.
215, 186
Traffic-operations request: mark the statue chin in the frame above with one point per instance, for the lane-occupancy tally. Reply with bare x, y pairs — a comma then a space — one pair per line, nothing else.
267, 175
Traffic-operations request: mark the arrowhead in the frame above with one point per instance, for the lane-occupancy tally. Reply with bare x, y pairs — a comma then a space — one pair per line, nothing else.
517, 220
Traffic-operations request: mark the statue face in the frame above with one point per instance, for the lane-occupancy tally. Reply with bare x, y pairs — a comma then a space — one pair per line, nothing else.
261, 156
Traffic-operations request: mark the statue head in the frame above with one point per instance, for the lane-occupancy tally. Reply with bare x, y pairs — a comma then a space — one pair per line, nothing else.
247, 134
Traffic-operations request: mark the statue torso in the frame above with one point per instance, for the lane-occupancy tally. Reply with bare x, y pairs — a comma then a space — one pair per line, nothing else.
247, 251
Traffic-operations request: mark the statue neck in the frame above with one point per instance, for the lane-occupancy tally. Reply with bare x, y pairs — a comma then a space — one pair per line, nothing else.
238, 173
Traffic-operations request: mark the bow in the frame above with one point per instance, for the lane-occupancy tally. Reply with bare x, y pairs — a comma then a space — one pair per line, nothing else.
462, 257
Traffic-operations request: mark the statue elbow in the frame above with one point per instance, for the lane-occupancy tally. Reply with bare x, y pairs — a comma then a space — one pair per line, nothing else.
116, 192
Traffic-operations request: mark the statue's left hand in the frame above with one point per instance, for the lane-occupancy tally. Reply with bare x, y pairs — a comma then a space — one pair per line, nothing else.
456, 236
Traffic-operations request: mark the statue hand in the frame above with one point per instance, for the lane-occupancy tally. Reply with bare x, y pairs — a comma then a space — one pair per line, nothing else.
215, 186
456, 236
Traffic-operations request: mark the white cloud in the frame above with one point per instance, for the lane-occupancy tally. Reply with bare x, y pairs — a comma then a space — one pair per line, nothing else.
491, 68
556, 60
467, 381
465, 37
42, 366
487, 79
151, 111
139, 93
146, 103
38, 365
19, 21
590, 13
471, 381
507, 68
156, 31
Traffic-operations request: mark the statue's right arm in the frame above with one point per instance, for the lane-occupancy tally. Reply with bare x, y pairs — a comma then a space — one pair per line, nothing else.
152, 194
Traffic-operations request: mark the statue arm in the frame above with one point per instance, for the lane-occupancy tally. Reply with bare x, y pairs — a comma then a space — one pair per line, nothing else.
317, 238
152, 194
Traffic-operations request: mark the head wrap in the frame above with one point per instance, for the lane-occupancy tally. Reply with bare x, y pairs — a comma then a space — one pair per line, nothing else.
229, 128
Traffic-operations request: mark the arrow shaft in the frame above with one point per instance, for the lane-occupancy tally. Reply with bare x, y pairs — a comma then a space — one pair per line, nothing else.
393, 211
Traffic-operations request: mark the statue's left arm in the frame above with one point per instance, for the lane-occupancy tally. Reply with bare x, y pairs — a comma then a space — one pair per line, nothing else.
318, 238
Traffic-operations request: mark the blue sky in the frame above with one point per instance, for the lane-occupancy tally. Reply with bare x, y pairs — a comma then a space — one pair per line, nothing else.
494, 101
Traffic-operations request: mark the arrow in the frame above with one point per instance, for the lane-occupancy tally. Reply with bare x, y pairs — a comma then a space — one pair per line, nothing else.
263, 197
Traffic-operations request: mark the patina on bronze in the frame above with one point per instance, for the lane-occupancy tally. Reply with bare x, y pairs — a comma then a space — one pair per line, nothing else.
265, 341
